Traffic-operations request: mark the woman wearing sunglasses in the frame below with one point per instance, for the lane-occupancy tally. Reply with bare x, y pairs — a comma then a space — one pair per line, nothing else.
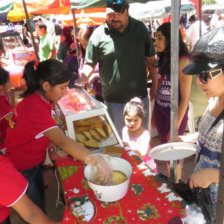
208, 65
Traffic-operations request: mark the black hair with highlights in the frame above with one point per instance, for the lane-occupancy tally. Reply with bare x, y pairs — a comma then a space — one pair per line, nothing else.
135, 106
52, 71
4, 76
165, 57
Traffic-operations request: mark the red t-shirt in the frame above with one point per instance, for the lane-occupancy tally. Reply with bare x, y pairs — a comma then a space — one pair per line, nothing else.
26, 143
12, 187
5, 109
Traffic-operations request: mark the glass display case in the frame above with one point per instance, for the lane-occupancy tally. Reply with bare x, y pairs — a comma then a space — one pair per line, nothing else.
87, 120
14, 55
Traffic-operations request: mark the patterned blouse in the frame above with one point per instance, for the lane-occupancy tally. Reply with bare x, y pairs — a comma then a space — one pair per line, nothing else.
209, 147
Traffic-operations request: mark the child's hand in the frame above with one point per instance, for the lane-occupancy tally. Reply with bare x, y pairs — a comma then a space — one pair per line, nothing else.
204, 178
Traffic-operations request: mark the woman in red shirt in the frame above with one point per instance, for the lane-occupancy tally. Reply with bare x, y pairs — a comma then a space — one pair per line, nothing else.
46, 83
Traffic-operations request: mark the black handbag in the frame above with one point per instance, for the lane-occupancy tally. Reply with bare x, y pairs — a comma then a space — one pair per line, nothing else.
199, 196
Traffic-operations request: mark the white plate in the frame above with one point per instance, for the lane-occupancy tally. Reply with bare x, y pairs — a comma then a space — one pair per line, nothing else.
173, 151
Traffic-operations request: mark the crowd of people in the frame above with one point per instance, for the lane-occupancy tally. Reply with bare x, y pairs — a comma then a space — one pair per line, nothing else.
116, 60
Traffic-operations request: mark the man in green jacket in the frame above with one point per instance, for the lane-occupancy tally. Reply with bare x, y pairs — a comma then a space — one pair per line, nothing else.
124, 50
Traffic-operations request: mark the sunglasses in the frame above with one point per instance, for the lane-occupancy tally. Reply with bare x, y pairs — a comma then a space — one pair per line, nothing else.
204, 76
119, 2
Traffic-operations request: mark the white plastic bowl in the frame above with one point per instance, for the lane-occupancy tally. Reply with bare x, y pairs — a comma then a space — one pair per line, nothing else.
114, 192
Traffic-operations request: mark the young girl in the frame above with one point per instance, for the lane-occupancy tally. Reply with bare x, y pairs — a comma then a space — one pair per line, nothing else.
7, 114
134, 135
46, 83
161, 113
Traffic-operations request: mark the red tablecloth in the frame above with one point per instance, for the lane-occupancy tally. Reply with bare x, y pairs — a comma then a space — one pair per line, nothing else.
147, 201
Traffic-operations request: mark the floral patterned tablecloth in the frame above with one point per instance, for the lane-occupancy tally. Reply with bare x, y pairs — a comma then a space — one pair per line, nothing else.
148, 199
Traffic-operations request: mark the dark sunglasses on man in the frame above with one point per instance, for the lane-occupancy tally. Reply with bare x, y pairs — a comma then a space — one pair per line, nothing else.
204, 76
115, 2
117, 6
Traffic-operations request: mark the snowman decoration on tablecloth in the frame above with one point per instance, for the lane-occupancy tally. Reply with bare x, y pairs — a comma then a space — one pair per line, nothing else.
82, 207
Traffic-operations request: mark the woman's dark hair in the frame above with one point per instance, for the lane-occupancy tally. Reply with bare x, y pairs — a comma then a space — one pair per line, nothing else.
135, 106
85, 33
52, 71
165, 57
67, 33
4, 76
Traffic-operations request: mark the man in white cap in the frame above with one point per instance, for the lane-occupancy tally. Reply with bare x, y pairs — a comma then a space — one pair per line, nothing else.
123, 48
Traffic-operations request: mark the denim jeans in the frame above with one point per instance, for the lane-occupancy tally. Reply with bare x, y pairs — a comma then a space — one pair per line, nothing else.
6, 221
35, 190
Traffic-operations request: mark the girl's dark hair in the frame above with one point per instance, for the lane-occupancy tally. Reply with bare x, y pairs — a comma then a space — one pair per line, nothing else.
52, 71
4, 76
135, 106
165, 57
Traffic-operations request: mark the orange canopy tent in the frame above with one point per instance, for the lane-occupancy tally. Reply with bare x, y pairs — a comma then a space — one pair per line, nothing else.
94, 16
17, 12
91, 17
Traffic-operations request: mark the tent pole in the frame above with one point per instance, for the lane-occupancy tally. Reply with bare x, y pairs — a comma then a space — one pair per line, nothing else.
75, 35
29, 27
200, 17
175, 4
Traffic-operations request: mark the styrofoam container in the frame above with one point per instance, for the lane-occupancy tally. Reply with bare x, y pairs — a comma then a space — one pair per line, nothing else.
114, 192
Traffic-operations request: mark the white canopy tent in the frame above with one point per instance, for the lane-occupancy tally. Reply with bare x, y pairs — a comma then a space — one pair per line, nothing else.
154, 9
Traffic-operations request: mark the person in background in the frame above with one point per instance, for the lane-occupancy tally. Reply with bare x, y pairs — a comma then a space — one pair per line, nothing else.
7, 113
12, 194
210, 76
25, 37
50, 26
217, 19
123, 48
94, 85
161, 112
183, 21
134, 135
47, 48
72, 62
46, 82
67, 40
193, 32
